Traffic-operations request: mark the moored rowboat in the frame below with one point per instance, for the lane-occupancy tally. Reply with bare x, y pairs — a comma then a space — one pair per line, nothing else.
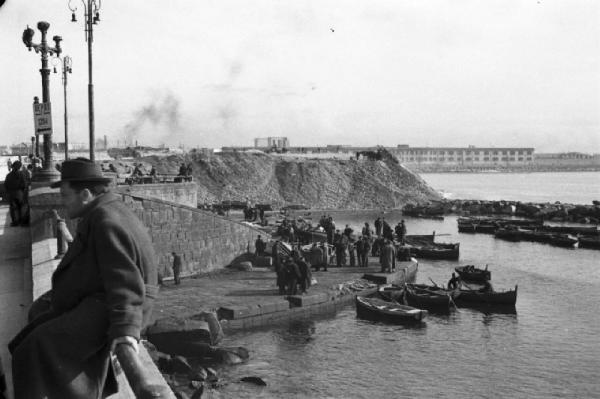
478, 297
474, 274
380, 310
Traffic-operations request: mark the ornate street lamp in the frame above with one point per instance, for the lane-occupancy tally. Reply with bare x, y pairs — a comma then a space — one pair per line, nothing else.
48, 173
91, 12
66, 66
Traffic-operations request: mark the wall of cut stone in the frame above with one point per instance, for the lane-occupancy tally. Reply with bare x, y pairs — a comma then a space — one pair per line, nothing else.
204, 240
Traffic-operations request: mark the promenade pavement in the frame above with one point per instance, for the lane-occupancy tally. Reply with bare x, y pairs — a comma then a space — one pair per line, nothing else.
15, 261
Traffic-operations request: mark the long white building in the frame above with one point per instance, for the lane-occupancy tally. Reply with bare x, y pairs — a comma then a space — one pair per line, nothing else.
471, 155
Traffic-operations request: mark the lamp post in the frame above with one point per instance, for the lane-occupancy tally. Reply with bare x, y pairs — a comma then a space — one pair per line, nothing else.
66, 66
48, 173
91, 13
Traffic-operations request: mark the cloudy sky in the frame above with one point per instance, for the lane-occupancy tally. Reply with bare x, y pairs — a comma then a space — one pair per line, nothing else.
221, 72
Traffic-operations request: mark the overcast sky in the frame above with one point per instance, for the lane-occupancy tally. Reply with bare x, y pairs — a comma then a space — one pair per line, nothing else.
361, 72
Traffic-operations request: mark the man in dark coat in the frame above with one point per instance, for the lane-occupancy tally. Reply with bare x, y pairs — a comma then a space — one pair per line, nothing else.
15, 185
366, 249
292, 276
378, 225
102, 295
359, 245
260, 246
305, 273
176, 268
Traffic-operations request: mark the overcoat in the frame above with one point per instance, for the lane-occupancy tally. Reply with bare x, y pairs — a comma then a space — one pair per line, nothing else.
388, 257
103, 288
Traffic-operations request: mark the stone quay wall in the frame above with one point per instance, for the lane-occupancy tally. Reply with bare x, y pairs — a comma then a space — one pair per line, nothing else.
205, 241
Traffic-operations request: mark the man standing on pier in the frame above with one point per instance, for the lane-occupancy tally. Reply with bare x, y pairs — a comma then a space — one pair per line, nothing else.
102, 295
388, 257
260, 246
176, 268
378, 226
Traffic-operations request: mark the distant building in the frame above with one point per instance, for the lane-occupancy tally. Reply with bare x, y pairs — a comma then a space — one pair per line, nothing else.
571, 159
271, 142
464, 156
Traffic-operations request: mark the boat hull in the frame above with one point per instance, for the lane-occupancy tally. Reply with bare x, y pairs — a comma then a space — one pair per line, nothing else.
476, 276
379, 310
506, 298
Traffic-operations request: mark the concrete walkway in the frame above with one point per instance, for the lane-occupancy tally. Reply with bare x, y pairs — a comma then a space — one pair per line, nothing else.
15, 288
231, 288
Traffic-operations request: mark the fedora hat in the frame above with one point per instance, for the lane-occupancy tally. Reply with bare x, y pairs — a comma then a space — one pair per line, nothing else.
80, 170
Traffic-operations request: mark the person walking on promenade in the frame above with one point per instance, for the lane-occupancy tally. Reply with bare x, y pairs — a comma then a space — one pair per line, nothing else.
9, 164
260, 246
388, 257
102, 295
15, 185
176, 268
378, 226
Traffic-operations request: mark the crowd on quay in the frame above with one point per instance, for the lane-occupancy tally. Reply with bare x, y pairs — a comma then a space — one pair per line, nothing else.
348, 249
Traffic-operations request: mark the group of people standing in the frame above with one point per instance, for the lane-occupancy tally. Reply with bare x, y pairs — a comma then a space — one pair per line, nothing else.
370, 243
294, 275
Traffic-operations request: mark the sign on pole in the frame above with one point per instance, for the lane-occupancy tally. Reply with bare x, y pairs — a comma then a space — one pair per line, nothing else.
42, 117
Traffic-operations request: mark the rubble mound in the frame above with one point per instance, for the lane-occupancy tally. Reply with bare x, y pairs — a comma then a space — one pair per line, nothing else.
366, 183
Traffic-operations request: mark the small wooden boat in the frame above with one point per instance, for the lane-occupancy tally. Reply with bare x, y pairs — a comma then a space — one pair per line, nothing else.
474, 274
592, 242
437, 289
508, 234
424, 246
481, 297
563, 240
380, 310
391, 292
427, 299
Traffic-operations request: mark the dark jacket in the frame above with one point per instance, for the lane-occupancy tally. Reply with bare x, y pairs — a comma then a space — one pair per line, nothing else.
15, 181
103, 288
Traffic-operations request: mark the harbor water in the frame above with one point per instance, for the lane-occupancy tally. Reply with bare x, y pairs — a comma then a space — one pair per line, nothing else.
547, 348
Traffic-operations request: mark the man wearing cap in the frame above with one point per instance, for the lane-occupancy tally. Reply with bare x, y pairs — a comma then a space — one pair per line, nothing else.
102, 295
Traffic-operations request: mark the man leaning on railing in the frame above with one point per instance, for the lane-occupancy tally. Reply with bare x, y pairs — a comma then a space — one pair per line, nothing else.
101, 297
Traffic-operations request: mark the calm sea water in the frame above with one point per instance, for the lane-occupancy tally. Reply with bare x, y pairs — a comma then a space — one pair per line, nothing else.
549, 348
567, 187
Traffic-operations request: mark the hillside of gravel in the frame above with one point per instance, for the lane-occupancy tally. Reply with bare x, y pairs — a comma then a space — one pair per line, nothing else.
283, 180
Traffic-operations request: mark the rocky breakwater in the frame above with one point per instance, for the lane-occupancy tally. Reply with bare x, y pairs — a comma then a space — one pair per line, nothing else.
317, 183
556, 212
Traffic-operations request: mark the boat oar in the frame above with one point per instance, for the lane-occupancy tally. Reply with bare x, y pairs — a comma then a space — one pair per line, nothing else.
434, 283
